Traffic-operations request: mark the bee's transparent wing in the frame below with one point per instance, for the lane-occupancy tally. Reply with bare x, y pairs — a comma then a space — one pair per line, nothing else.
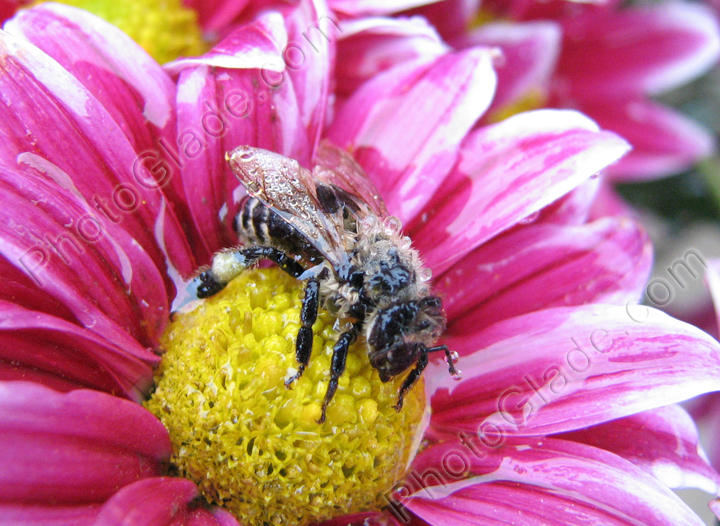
337, 167
290, 191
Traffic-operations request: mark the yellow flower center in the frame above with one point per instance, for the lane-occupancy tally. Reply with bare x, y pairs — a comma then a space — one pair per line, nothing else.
164, 28
255, 447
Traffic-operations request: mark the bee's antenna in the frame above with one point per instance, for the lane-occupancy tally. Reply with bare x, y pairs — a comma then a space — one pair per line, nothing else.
451, 358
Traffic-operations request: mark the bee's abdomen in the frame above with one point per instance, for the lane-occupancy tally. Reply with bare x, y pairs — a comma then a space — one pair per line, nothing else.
254, 222
257, 224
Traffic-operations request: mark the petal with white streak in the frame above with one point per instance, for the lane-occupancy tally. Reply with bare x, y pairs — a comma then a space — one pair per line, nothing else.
537, 482
405, 125
544, 265
567, 368
664, 442
370, 45
507, 172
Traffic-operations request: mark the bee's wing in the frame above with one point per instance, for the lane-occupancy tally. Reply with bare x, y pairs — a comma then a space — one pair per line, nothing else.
290, 191
337, 167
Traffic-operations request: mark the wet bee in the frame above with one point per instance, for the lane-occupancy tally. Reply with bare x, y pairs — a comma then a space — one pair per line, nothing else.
330, 228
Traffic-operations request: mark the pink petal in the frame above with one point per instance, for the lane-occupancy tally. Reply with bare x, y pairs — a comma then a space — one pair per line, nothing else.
88, 263
370, 45
543, 481
664, 442
244, 110
158, 502
712, 275
256, 45
28, 295
550, 9
40, 515
356, 8
567, 368
451, 18
19, 372
310, 60
214, 516
530, 52
406, 124
9, 7
123, 77
131, 86
21, 289
73, 448
50, 119
664, 141
151, 502
43, 348
648, 49
505, 173
521, 10
541, 266
574, 207
215, 15
715, 507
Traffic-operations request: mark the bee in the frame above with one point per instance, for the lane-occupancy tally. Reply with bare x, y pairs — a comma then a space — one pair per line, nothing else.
330, 229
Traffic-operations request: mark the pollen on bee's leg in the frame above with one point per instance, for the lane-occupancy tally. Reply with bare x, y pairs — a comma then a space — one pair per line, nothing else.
228, 265
255, 447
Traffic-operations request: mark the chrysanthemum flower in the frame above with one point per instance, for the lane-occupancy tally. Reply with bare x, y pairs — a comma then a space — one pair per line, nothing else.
602, 58
115, 189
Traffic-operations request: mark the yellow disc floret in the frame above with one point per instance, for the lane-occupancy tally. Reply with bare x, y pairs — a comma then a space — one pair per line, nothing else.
164, 28
254, 446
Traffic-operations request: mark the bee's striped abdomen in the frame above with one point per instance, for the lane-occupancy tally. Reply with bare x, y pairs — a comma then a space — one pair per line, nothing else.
257, 224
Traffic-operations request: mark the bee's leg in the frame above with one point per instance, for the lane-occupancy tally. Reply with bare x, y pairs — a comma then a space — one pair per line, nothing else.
229, 264
206, 285
411, 379
280, 258
308, 315
226, 265
337, 365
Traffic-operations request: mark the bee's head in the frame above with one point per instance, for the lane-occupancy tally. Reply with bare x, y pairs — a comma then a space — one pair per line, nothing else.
401, 332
